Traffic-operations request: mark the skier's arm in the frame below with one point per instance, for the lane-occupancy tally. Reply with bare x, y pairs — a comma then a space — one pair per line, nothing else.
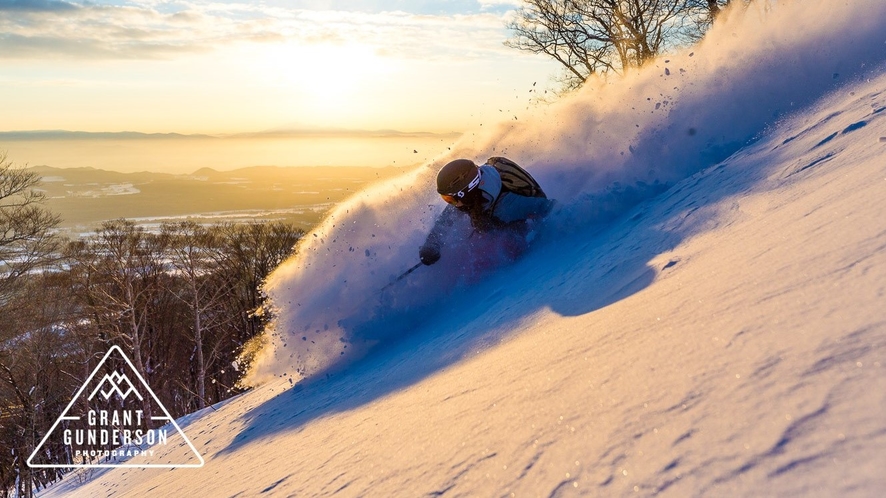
512, 207
429, 253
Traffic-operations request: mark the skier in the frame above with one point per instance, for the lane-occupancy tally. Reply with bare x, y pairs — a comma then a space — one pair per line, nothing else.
497, 196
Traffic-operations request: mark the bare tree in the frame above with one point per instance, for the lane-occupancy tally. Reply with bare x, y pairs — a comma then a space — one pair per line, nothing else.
30, 364
706, 12
599, 36
252, 251
119, 272
36, 362
196, 253
26, 238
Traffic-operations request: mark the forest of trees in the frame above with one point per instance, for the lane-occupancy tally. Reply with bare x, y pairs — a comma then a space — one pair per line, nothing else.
180, 301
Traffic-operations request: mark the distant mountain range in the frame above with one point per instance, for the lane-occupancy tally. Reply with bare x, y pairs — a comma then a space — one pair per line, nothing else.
275, 133
84, 197
88, 135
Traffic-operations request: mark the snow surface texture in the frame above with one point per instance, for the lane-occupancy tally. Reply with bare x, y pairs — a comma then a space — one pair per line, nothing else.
598, 154
725, 338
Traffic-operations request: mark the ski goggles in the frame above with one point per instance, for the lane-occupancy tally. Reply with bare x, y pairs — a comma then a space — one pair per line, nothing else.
458, 197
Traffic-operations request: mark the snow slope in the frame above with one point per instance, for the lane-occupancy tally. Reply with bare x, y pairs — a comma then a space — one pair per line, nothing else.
723, 338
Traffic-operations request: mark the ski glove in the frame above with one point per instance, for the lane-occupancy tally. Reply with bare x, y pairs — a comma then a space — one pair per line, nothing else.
429, 254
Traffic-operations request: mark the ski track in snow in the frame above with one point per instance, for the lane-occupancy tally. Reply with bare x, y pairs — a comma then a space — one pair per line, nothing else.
723, 338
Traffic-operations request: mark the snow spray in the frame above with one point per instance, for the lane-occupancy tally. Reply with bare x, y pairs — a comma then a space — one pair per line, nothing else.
616, 142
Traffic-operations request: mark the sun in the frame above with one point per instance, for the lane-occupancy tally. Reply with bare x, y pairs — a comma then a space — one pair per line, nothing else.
326, 76
321, 71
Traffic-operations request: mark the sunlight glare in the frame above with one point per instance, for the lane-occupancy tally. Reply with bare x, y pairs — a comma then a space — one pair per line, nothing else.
327, 77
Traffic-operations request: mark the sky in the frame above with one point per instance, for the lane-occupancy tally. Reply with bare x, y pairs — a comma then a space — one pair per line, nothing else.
198, 66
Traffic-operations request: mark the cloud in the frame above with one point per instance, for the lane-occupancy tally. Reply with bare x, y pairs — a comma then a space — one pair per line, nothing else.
36, 6
55, 29
95, 32
23, 47
417, 36
422, 7
488, 4
122, 32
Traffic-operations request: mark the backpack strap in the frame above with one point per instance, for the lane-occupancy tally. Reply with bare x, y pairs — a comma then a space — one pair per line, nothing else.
515, 179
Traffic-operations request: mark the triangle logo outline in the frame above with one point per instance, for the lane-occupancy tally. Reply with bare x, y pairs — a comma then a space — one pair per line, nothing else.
115, 389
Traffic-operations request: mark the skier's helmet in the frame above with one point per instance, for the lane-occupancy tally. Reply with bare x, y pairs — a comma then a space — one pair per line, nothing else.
457, 179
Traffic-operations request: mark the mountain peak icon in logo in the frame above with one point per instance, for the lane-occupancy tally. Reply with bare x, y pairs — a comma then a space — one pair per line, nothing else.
115, 380
116, 420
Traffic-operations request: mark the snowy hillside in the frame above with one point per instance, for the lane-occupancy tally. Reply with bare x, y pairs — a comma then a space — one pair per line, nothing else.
723, 338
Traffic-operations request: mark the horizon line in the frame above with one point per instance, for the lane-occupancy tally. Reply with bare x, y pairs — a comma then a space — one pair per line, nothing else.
61, 134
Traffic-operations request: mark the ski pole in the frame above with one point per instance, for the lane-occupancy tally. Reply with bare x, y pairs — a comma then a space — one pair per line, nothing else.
401, 277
